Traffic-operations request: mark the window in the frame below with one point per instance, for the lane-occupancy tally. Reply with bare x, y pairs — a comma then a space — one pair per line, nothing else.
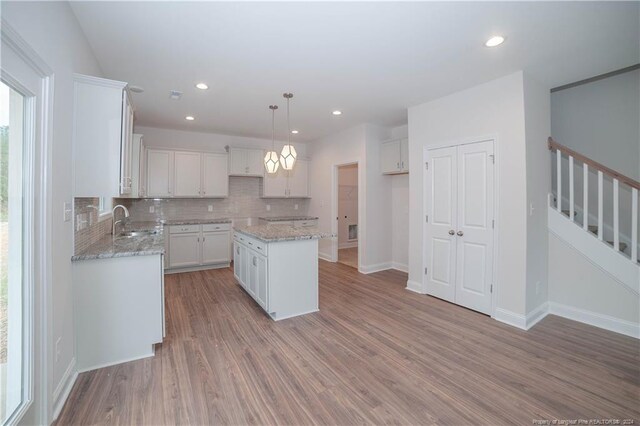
12, 288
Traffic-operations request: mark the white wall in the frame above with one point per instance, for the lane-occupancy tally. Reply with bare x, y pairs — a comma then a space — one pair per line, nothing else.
537, 112
576, 282
400, 211
51, 29
179, 139
494, 109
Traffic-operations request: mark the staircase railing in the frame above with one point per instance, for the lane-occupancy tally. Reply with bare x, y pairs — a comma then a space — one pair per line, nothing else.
602, 170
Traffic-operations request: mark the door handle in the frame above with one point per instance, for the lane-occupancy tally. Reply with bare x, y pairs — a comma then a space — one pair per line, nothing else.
460, 233
452, 232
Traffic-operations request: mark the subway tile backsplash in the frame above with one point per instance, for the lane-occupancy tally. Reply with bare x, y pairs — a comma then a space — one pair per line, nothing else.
243, 202
86, 217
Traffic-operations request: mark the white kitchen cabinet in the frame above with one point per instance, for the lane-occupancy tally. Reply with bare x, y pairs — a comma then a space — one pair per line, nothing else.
185, 249
159, 173
137, 170
187, 175
260, 267
246, 162
288, 183
394, 156
198, 246
102, 133
215, 178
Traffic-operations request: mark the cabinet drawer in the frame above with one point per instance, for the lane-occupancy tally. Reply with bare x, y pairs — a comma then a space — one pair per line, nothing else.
305, 223
182, 229
212, 227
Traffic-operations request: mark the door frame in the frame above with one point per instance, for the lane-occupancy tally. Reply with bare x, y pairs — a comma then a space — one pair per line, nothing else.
496, 203
334, 211
38, 195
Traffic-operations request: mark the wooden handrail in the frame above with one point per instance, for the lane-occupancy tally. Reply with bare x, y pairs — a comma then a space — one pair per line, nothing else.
598, 166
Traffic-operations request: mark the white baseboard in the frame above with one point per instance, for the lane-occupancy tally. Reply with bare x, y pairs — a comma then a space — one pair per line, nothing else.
606, 322
325, 256
350, 244
537, 315
414, 286
121, 361
62, 391
510, 318
370, 269
400, 266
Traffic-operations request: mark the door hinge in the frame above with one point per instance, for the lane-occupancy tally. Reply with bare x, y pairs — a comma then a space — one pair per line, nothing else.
491, 289
426, 165
425, 270
426, 218
493, 158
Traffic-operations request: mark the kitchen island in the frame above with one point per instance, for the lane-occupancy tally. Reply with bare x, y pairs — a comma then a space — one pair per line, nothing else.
278, 267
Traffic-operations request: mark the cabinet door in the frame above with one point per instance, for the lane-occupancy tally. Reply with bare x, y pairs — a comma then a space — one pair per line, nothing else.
167, 248
185, 250
255, 162
215, 247
390, 157
187, 174
159, 172
238, 162
261, 282
404, 155
236, 260
215, 176
299, 179
252, 273
275, 184
242, 267
126, 145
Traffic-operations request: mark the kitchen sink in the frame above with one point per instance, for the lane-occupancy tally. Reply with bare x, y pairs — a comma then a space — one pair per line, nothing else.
131, 234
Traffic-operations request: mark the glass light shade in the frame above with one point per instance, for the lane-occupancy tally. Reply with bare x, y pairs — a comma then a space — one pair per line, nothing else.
271, 163
288, 157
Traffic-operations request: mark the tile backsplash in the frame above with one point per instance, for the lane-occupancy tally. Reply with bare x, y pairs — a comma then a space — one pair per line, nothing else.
88, 228
243, 202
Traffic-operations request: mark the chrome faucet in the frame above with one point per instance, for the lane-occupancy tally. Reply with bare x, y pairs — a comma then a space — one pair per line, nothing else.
115, 222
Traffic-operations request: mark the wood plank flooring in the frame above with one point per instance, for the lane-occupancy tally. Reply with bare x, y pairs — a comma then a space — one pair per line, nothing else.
374, 354
349, 256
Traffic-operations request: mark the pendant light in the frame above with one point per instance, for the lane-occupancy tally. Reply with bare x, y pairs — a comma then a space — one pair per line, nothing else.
288, 154
271, 163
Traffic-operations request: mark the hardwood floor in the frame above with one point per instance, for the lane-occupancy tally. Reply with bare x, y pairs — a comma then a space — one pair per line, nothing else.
375, 353
349, 256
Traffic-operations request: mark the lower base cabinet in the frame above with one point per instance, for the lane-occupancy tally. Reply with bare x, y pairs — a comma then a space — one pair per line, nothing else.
198, 246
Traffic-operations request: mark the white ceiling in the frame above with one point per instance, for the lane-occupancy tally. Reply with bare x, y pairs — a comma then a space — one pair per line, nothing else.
371, 60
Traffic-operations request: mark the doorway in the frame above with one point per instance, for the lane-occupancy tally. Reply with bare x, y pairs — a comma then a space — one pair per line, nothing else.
348, 215
459, 231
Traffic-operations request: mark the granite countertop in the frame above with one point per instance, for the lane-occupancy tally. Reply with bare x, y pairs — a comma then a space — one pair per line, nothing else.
140, 225
287, 218
108, 248
276, 233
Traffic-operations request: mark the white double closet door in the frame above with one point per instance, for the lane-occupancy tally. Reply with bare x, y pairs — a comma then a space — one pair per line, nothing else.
459, 236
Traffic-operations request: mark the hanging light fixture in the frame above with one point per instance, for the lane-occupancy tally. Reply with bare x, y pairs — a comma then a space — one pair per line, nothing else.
288, 154
271, 159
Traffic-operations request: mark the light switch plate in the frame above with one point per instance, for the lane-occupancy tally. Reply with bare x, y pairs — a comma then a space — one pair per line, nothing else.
268, 207
152, 209
295, 207
67, 211
210, 207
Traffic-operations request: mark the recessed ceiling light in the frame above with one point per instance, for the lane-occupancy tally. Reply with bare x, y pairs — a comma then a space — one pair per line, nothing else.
189, 118
494, 41
337, 112
295, 132
202, 86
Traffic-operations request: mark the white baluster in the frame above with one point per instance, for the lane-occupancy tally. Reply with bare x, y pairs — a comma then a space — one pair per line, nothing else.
585, 197
600, 206
634, 225
559, 180
616, 214
571, 195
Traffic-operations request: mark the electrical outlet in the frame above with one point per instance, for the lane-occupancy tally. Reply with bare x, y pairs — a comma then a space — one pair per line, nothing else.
58, 349
268, 207
152, 209
295, 207
67, 211
210, 207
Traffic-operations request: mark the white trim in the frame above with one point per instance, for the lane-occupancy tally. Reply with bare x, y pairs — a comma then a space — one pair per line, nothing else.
197, 268
595, 319
415, 286
350, 244
537, 315
62, 391
97, 81
325, 256
510, 318
120, 361
370, 269
402, 267
294, 315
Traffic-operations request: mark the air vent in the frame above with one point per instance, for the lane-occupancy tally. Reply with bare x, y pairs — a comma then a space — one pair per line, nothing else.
175, 95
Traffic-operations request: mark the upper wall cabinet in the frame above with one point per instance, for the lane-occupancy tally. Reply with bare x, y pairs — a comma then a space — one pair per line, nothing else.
288, 184
186, 174
102, 138
394, 157
246, 162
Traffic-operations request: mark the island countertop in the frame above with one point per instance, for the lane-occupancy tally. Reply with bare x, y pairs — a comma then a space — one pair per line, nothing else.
287, 218
108, 247
277, 233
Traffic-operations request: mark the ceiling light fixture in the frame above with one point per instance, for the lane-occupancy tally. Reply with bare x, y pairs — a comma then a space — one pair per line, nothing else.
271, 162
288, 154
494, 41
295, 132
189, 118
337, 112
202, 86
